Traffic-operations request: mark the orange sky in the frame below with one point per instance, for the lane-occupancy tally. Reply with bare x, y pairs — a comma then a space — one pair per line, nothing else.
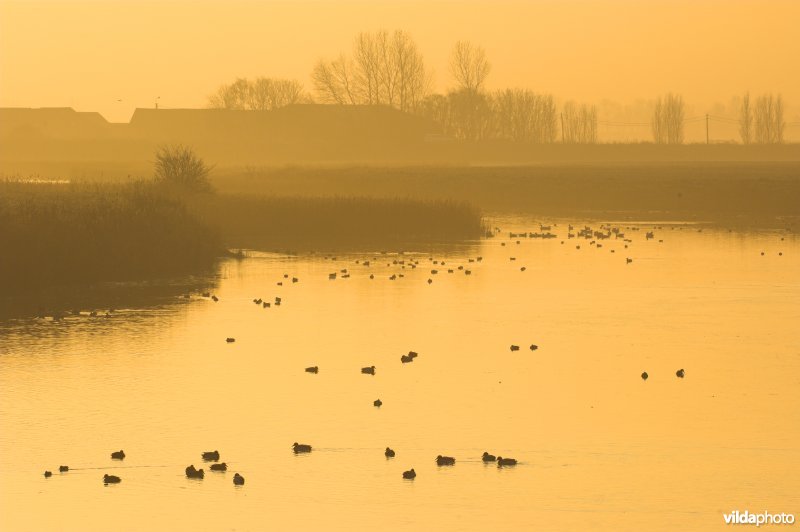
90, 54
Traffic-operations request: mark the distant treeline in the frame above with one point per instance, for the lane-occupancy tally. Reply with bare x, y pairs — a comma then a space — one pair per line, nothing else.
389, 69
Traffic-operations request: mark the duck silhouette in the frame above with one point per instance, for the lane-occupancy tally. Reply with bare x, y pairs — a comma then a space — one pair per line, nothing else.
210, 456
191, 472
388, 453
118, 455
301, 448
238, 479
680, 373
111, 479
312, 369
515, 348
445, 460
48, 474
488, 457
505, 461
377, 402
644, 375
219, 467
63, 469
410, 474
368, 370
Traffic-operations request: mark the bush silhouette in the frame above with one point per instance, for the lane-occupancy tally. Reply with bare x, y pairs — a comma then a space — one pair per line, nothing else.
179, 166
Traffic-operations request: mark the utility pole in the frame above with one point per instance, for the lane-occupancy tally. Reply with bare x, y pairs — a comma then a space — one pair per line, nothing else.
706, 128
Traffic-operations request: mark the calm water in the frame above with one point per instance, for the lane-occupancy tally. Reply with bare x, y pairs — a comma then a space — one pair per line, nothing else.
598, 447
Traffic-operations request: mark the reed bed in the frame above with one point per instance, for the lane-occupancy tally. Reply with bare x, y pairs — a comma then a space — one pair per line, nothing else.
74, 233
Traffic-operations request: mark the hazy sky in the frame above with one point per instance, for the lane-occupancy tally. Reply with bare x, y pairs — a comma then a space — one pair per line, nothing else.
90, 54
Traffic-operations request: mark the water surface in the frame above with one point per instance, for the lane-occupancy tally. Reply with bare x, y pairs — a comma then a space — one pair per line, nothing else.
598, 447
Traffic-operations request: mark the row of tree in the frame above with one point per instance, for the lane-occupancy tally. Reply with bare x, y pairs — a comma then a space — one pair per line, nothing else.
762, 122
260, 94
388, 69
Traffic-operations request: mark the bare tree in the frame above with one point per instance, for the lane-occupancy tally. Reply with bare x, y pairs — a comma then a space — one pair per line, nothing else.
233, 96
746, 120
386, 69
469, 66
413, 80
667, 120
579, 123
769, 123
262, 94
436, 107
524, 116
334, 81
470, 114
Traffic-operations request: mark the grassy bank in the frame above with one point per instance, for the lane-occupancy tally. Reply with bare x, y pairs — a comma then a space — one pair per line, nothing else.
335, 222
753, 193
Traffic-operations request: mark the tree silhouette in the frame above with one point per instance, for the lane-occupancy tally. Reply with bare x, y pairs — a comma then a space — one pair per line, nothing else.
579, 123
769, 123
667, 120
469, 66
261, 94
746, 120
386, 69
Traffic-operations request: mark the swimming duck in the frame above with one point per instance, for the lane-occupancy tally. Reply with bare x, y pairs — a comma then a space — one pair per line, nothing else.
515, 348
680, 373
118, 455
191, 472
405, 359
644, 376
410, 474
48, 474
210, 456
505, 461
301, 448
219, 467
445, 460
388, 453
377, 402
312, 369
230, 340
488, 457
368, 370
534, 347
63, 469
238, 479
111, 479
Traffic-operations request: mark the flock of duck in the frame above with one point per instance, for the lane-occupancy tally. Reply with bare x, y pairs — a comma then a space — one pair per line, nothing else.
605, 232
298, 448
191, 471
595, 236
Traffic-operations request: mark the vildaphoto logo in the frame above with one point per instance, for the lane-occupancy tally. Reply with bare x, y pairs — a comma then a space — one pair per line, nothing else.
764, 518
